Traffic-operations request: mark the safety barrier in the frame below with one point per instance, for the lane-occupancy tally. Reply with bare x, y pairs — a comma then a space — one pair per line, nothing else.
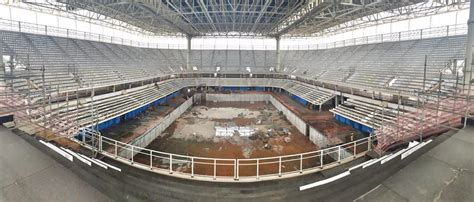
224, 169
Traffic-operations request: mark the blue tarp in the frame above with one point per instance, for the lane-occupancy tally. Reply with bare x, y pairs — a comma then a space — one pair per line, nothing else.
355, 125
244, 88
136, 112
300, 100
108, 123
260, 88
231, 88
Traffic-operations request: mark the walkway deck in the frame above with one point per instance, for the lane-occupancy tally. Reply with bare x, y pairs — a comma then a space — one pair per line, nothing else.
445, 173
28, 174
31, 172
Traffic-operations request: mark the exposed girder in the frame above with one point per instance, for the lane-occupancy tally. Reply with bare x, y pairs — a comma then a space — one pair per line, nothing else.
273, 18
320, 15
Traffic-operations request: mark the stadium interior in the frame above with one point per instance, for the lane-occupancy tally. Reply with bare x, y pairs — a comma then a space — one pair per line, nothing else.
212, 100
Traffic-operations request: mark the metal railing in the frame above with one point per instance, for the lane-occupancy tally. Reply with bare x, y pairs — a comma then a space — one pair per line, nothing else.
226, 169
443, 31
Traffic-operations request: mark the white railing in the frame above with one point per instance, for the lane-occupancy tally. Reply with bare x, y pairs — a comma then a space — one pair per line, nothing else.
225, 169
17, 26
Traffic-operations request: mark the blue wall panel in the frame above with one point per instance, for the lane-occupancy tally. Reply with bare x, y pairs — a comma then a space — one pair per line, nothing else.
355, 125
108, 123
136, 112
300, 100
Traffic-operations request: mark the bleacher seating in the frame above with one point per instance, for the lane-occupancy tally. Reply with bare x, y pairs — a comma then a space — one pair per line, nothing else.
46, 64
72, 63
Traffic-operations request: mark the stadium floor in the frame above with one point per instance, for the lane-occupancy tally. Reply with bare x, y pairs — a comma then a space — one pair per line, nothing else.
31, 172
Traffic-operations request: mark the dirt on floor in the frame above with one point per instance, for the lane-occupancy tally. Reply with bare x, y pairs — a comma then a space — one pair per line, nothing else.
130, 129
194, 134
323, 121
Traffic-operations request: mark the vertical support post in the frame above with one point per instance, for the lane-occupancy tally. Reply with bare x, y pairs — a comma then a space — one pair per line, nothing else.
132, 155
279, 166
301, 163
151, 159
188, 53
258, 169
369, 143
438, 98
278, 57
192, 166
215, 169
171, 164
469, 44
236, 170
100, 143
339, 154
321, 158
424, 72
355, 149
115, 150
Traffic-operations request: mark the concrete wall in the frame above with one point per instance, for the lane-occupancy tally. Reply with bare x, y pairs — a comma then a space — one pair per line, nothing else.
318, 138
314, 135
293, 118
148, 137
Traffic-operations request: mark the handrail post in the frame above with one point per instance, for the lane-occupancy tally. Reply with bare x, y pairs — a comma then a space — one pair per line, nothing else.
100, 143
236, 169
369, 143
151, 159
258, 169
215, 169
321, 158
339, 154
192, 166
301, 163
171, 164
132, 155
355, 149
279, 166
115, 151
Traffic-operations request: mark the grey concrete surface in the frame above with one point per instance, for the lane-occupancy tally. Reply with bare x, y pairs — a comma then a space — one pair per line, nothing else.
28, 174
444, 173
29, 171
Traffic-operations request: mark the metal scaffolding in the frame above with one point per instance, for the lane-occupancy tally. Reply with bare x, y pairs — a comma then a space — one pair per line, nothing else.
38, 108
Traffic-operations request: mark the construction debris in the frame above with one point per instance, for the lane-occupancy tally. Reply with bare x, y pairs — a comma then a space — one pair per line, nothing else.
267, 146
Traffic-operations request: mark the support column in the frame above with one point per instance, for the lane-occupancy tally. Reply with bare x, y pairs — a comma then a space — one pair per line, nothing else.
278, 60
188, 53
469, 44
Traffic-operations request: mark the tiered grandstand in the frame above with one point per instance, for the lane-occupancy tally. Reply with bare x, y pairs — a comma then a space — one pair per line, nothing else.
392, 88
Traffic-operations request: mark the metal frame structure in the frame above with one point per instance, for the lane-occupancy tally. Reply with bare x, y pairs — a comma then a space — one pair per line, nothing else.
437, 110
273, 18
370, 14
24, 27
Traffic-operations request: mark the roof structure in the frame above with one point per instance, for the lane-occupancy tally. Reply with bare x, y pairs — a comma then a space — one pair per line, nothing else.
273, 18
